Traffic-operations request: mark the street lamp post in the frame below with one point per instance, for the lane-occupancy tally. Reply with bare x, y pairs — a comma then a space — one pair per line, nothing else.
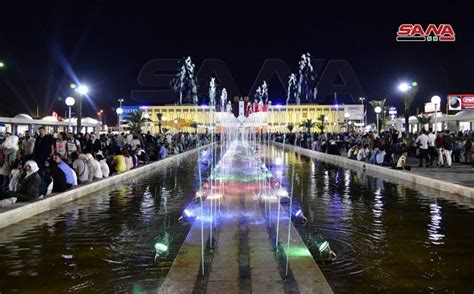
365, 115
378, 109
346, 116
82, 90
70, 103
436, 100
119, 112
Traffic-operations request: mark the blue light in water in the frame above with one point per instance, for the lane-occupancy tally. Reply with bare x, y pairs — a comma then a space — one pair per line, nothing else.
188, 213
298, 213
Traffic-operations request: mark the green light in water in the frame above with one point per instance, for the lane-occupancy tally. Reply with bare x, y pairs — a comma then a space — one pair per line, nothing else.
160, 248
2, 64
299, 251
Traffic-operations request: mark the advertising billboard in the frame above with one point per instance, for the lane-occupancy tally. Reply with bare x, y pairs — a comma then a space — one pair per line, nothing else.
457, 102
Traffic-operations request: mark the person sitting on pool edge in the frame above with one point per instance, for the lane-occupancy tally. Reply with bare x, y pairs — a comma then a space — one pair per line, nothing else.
401, 163
28, 185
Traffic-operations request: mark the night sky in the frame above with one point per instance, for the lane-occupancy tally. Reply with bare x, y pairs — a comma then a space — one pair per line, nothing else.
105, 44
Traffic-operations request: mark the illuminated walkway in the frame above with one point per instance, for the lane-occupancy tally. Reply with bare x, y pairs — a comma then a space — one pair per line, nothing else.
243, 257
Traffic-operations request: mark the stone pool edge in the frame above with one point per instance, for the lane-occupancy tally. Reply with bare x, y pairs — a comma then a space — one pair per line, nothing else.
26, 211
412, 178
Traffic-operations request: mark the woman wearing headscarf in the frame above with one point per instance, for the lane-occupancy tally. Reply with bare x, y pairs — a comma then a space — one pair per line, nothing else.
28, 184
59, 177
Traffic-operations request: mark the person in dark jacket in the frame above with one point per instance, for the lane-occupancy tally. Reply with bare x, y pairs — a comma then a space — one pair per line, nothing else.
28, 184
59, 178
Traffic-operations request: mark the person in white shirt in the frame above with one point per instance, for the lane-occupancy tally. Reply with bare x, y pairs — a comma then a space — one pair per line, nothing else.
28, 144
103, 165
431, 145
422, 142
95, 171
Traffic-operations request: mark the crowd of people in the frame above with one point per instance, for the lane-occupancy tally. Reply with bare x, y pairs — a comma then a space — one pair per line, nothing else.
390, 148
33, 166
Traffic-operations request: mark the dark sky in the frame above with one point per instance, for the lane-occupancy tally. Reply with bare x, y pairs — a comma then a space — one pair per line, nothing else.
106, 43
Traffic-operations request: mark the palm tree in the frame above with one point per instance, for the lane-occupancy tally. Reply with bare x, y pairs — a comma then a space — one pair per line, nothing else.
379, 103
308, 124
321, 125
135, 122
165, 130
159, 115
290, 127
194, 125
423, 120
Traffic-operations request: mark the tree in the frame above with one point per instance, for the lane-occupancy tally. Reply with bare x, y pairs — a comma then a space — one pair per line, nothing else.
306, 79
290, 127
292, 92
185, 82
159, 115
321, 125
135, 122
194, 125
165, 130
308, 124
423, 120
409, 93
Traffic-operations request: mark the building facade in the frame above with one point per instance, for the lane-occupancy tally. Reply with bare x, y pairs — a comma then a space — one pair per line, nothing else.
275, 119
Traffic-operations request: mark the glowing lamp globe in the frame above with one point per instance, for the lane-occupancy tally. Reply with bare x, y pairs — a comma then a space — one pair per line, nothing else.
436, 100
119, 111
378, 109
70, 101
83, 90
403, 87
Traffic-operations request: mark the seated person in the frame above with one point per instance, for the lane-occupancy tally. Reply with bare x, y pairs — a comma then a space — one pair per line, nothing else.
28, 184
401, 163
71, 179
59, 178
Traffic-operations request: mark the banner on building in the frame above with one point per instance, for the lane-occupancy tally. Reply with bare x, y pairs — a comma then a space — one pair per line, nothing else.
458, 102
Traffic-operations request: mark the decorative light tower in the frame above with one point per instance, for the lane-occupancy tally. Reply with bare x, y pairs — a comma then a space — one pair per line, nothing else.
378, 109
119, 112
83, 91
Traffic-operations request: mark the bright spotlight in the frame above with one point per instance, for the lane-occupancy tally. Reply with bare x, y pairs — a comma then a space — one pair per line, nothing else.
82, 89
403, 87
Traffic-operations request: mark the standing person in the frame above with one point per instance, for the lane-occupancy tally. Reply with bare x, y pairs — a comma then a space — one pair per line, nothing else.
44, 146
431, 145
422, 142
447, 147
72, 146
467, 148
10, 148
61, 145
439, 147
28, 145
